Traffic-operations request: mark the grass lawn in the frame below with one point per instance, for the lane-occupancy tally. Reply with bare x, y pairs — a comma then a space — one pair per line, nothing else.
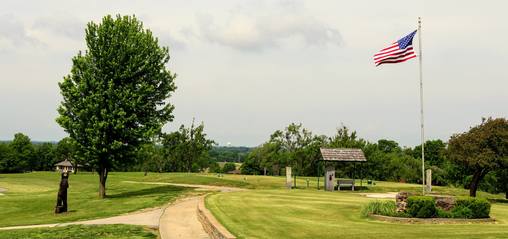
187, 178
82, 232
31, 197
279, 182
268, 210
318, 214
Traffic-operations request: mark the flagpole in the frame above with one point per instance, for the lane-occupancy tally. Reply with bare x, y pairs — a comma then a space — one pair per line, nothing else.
421, 102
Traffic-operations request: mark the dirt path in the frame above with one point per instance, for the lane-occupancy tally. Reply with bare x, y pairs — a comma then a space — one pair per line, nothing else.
380, 195
181, 221
176, 220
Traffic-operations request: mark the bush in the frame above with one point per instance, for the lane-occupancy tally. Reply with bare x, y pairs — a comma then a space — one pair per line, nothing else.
479, 207
440, 213
421, 206
228, 167
461, 212
214, 168
386, 208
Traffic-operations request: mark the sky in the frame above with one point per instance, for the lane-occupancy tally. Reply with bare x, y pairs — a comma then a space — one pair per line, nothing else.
247, 68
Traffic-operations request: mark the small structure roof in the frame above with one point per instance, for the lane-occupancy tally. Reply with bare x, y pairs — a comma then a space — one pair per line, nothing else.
65, 163
343, 155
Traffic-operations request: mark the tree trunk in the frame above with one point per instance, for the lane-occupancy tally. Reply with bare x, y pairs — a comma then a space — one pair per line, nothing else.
103, 176
189, 165
477, 177
506, 194
75, 167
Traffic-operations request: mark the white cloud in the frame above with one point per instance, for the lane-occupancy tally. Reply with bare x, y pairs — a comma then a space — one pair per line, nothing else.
261, 26
167, 39
14, 34
62, 25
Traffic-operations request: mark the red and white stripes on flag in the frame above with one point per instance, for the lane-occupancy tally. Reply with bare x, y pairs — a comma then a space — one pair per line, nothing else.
400, 51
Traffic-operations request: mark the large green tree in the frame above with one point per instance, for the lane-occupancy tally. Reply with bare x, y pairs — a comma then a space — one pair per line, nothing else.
187, 149
23, 152
502, 177
482, 149
294, 146
150, 158
43, 158
115, 97
435, 152
8, 163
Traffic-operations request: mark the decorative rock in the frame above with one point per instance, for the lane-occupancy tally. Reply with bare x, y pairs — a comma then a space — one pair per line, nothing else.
401, 201
445, 203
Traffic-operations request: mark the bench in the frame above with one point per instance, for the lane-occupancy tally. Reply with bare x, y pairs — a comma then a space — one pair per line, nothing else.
346, 183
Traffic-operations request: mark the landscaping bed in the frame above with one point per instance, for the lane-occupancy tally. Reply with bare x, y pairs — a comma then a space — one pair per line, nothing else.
426, 209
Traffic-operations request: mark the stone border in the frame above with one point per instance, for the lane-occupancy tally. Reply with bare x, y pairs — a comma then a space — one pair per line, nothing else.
431, 220
212, 227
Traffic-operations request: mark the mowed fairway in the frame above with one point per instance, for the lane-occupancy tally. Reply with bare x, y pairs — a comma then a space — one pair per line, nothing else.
318, 214
31, 197
266, 210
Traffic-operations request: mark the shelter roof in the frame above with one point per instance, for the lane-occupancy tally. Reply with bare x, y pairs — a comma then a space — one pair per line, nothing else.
343, 155
65, 163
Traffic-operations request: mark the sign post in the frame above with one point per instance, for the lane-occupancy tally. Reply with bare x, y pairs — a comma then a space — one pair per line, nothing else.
289, 180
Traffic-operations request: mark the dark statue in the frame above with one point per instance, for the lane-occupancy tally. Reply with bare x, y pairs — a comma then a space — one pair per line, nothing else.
61, 201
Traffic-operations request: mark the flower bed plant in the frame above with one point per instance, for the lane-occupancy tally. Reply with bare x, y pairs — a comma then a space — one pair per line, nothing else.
385, 208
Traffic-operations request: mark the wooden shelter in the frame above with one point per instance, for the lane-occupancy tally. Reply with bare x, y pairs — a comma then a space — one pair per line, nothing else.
65, 166
340, 155
343, 155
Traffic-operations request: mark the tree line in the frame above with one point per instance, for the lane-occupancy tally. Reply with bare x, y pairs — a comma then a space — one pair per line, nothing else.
21, 155
477, 159
186, 150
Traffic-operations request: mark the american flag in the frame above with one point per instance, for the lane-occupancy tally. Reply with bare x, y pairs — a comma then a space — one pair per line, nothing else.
399, 51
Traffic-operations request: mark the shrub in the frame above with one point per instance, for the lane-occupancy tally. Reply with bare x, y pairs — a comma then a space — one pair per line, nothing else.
479, 207
421, 206
461, 212
228, 167
214, 168
440, 213
386, 208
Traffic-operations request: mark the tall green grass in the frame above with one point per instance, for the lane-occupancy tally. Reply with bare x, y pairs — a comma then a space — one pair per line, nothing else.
386, 208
